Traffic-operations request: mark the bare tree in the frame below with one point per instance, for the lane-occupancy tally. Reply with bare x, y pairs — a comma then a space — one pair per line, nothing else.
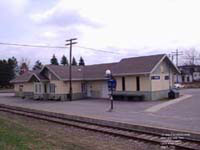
24, 65
192, 57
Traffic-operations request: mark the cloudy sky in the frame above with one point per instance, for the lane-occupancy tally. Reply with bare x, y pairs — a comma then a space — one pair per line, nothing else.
126, 27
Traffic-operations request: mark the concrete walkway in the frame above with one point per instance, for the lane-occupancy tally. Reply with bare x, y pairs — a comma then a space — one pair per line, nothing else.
165, 104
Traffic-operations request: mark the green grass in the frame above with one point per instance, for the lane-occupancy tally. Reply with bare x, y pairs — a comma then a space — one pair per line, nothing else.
14, 136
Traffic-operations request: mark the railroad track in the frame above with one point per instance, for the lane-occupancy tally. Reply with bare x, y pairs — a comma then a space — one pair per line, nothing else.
165, 140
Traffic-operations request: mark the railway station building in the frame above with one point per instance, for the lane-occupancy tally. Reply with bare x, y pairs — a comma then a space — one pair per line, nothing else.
150, 76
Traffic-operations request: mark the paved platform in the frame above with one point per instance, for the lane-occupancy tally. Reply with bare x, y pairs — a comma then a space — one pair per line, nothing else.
182, 115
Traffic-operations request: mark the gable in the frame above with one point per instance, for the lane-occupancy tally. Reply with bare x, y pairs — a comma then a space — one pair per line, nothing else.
164, 67
23, 78
137, 65
48, 74
33, 79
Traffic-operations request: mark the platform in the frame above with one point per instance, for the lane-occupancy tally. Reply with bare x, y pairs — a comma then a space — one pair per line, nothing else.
183, 115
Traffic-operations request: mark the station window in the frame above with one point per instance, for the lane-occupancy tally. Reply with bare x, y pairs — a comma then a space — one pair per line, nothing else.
166, 77
40, 88
52, 88
36, 88
183, 79
21, 87
155, 77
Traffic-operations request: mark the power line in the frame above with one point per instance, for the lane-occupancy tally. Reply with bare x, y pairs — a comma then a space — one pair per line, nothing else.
177, 53
62, 47
97, 50
28, 45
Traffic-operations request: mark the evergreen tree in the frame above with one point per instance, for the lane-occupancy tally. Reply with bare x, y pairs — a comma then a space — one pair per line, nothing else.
54, 60
4, 73
7, 71
12, 62
64, 60
38, 65
74, 63
81, 62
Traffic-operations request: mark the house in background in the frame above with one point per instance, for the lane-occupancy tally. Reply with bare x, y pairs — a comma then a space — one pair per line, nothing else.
189, 73
150, 76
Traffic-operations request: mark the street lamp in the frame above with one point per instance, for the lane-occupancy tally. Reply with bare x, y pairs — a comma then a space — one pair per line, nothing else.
108, 73
111, 86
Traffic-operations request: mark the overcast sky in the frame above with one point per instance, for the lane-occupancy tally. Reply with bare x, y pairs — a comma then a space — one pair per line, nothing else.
128, 27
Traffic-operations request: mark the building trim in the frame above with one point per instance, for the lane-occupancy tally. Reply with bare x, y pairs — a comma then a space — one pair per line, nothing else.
51, 72
161, 60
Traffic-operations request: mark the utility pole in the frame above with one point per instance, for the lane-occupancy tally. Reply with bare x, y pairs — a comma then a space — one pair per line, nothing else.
193, 59
171, 56
70, 43
177, 54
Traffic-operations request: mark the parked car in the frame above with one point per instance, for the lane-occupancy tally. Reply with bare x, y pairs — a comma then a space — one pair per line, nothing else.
178, 86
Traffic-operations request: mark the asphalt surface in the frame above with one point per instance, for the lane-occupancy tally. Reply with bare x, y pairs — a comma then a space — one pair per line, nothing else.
183, 115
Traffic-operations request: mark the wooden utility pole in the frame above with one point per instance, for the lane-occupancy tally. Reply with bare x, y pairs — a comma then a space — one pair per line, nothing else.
70, 43
171, 56
177, 54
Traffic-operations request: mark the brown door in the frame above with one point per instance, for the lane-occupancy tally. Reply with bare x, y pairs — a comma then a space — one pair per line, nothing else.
138, 83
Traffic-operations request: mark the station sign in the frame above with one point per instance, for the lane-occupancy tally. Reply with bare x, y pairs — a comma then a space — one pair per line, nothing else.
112, 84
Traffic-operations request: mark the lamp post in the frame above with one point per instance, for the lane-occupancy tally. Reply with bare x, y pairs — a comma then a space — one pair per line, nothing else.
111, 86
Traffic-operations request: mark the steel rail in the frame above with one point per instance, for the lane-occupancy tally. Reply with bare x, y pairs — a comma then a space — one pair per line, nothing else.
149, 137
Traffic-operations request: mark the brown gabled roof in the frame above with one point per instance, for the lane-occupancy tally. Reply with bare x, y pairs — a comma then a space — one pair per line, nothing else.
93, 72
62, 72
137, 65
89, 72
127, 66
23, 78
39, 76
27, 76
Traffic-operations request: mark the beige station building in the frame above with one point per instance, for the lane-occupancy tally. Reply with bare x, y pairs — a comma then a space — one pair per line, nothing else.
149, 76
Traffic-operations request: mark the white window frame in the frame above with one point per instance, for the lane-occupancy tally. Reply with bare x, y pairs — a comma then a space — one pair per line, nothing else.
52, 88
38, 88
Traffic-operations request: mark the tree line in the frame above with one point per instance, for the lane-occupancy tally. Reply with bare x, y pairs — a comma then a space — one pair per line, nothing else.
64, 61
7, 71
11, 68
187, 57
54, 61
